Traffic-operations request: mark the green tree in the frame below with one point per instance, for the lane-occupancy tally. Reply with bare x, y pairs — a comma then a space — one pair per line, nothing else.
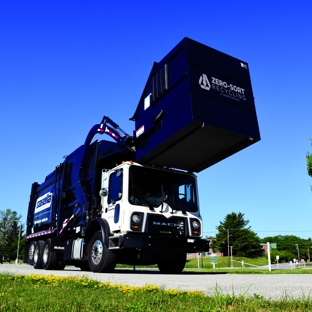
10, 229
233, 231
309, 162
284, 255
15, 241
288, 245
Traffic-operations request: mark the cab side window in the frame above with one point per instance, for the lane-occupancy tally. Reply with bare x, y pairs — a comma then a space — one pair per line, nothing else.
115, 187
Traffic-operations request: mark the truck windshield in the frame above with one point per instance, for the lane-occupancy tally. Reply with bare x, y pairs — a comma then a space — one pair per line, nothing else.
154, 188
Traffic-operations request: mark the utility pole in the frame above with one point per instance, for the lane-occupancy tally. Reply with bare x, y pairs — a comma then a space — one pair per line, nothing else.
231, 256
18, 243
297, 247
228, 246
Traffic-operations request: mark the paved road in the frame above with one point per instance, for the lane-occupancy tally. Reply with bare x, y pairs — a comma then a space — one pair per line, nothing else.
270, 286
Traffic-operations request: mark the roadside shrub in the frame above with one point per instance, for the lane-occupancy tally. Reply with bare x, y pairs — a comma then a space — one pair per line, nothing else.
284, 255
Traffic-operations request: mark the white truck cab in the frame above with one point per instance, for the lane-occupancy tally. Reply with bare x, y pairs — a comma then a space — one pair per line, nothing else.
141, 199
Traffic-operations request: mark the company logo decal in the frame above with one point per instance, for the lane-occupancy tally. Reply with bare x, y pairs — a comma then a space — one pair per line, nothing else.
224, 88
204, 82
43, 202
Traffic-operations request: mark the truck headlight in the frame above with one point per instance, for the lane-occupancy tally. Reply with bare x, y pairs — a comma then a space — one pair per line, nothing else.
136, 221
136, 218
195, 227
195, 224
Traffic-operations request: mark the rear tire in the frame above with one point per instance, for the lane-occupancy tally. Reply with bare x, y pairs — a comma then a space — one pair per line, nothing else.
100, 258
173, 266
31, 251
37, 260
49, 258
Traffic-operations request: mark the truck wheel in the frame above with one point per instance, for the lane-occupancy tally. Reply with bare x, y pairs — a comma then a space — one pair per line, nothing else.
37, 261
100, 258
173, 266
31, 251
60, 263
84, 266
49, 258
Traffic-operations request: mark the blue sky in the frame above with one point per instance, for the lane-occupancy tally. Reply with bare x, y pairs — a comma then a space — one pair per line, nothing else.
65, 64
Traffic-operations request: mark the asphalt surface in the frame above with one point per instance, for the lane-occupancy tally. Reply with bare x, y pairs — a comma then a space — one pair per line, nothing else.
277, 286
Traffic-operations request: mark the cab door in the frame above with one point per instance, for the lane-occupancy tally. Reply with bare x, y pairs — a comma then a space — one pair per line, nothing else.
112, 212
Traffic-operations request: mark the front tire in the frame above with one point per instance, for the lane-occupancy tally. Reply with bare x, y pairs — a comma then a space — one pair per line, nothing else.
84, 266
60, 263
100, 258
174, 265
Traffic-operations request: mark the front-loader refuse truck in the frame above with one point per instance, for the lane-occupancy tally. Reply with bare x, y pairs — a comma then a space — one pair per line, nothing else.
133, 199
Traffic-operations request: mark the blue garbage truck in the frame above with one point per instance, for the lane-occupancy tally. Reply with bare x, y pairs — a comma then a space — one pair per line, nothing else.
132, 199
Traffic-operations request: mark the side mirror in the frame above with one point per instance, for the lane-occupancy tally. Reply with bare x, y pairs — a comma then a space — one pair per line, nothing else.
103, 192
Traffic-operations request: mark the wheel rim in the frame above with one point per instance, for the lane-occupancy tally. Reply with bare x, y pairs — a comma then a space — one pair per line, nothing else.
36, 255
45, 255
31, 252
97, 252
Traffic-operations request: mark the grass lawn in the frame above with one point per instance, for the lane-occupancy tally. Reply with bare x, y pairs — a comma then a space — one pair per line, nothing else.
54, 293
251, 266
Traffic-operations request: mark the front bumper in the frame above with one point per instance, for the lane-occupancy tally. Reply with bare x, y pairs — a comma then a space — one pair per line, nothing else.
159, 242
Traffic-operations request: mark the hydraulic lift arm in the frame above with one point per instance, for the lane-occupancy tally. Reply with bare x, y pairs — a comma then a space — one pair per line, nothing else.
114, 131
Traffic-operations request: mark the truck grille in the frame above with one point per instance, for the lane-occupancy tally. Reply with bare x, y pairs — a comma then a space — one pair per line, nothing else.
158, 224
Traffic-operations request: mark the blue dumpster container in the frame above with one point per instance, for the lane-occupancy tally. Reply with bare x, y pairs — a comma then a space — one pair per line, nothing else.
197, 108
